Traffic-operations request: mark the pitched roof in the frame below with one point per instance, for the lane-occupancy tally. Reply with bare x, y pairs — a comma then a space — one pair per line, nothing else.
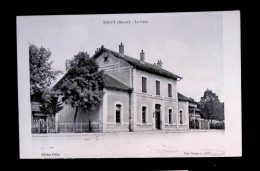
184, 98
110, 82
151, 68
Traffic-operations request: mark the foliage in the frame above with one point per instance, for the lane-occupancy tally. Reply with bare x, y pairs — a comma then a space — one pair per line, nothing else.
217, 126
50, 103
41, 77
41, 72
191, 124
211, 107
83, 85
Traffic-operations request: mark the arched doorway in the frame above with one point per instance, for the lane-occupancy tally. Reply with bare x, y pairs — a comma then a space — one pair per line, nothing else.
157, 116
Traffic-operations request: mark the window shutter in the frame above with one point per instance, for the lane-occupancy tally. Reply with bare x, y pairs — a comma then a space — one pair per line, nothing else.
170, 116
157, 87
144, 114
181, 121
169, 90
118, 113
144, 86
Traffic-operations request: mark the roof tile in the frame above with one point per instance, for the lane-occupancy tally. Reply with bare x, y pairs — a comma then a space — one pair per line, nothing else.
142, 66
110, 82
184, 98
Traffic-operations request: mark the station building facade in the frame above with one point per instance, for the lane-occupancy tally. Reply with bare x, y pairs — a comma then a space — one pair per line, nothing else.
137, 96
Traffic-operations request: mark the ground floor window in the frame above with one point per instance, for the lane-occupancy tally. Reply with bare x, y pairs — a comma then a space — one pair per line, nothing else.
118, 113
181, 119
144, 114
170, 116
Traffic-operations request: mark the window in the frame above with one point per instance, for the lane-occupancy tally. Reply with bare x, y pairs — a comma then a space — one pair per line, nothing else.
169, 90
157, 87
144, 84
170, 116
144, 114
106, 59
181, 121
118, 113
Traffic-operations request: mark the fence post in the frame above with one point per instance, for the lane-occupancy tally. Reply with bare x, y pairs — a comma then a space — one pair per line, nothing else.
39, 126
194, 118
47, 126
57, 126
81, 126
89, 127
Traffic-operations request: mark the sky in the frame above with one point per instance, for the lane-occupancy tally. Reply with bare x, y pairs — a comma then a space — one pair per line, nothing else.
188, 44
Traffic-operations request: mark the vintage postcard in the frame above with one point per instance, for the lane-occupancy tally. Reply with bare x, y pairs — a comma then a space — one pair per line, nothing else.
129, 85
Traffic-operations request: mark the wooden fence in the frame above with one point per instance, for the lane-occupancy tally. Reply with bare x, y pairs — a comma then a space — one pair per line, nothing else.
77, 127
42, 126
204, 125
192, 124
199, 124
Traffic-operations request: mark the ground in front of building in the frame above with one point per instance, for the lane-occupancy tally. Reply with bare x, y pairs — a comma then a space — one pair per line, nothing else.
196, 143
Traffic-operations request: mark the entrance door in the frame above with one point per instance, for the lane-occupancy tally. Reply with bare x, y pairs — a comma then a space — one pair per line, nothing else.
157, 116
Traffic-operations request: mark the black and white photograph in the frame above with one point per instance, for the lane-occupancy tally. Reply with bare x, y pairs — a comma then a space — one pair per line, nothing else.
129, 85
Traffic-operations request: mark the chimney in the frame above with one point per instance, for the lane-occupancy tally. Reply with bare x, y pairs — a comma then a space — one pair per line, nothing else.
142, 57
121, 50
159, 64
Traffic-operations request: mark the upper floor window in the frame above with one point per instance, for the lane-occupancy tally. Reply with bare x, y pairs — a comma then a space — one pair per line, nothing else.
144, 84
170, 116
144, 114
181, 119
118, 113
106, 59
157, 87
169, 90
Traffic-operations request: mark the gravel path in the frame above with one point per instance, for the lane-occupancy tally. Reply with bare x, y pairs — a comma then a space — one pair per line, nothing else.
209, 143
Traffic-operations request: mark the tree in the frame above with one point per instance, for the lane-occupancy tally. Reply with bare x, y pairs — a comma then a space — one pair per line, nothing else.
83, 85
50, 103
41, 77
211, 107
41, 72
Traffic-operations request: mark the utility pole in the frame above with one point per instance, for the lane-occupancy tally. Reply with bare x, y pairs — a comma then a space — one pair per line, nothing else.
194, 118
